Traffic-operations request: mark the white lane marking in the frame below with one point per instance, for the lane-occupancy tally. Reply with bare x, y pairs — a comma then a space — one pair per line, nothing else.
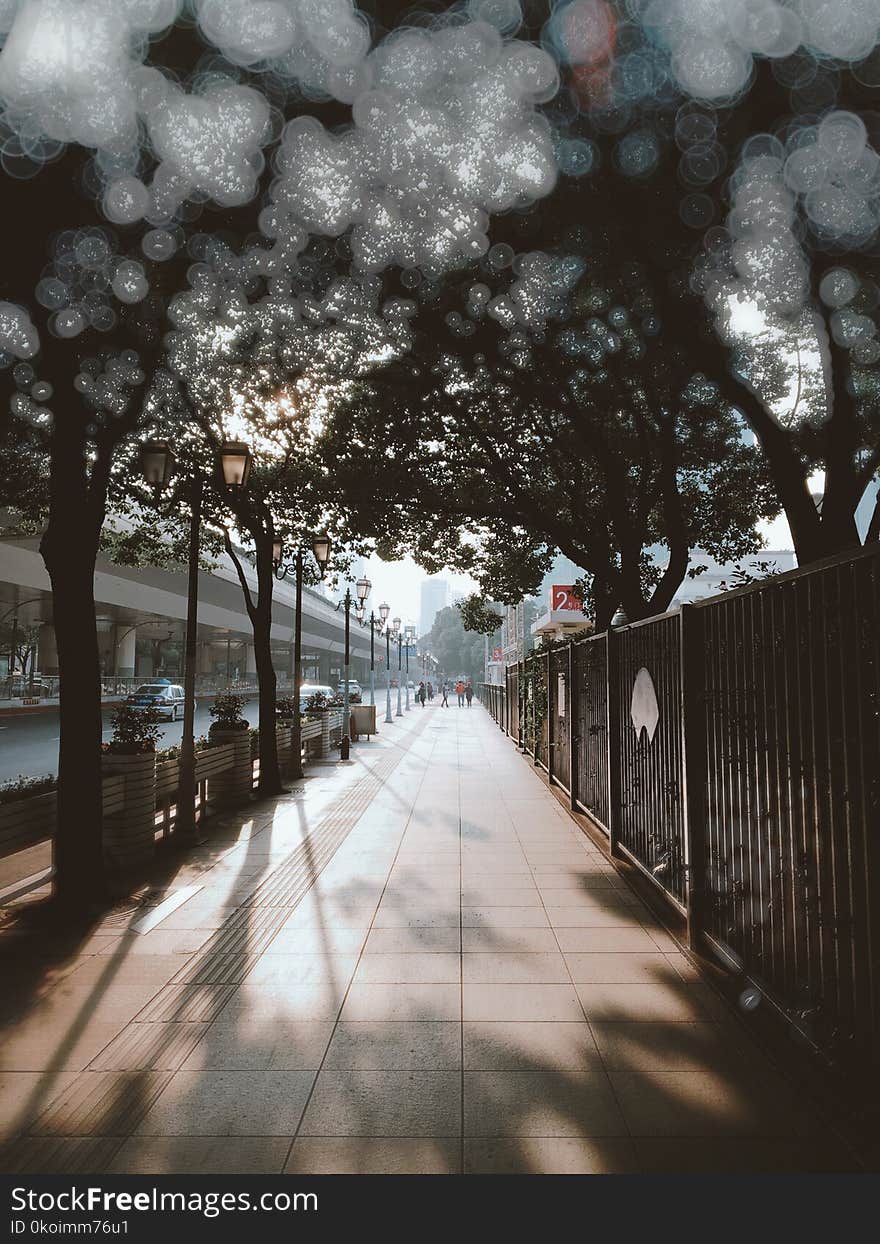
157, 914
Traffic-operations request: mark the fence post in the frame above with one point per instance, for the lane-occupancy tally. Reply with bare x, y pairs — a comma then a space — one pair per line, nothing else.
693, 759
548, 721
572, 736
552, 711
521, 699
612, 723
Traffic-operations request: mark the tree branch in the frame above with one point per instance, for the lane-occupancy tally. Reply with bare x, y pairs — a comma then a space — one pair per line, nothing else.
248, 599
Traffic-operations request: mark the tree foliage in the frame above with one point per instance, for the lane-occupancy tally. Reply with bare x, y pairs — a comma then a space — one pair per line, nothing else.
479, 616
457, 650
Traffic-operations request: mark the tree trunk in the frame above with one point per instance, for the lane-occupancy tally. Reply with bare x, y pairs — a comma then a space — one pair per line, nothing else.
69, 549
270, 775
604, 605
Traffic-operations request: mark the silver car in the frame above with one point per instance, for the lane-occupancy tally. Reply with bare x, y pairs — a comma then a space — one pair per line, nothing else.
165, 698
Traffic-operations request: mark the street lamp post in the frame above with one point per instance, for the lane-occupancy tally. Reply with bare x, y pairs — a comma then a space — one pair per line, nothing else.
320, 546
374, 625
384, 611
362, 587
157, 467
373, 622
409, 634
398, 635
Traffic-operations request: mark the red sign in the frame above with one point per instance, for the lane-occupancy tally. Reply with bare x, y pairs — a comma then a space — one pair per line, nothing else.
562, 596
497, 654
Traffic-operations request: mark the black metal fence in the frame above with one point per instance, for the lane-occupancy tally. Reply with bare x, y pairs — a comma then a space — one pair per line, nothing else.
731, 751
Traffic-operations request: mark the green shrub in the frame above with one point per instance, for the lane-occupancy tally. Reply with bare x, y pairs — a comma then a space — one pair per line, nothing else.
135, 730
202, 744
226, 711
317, 702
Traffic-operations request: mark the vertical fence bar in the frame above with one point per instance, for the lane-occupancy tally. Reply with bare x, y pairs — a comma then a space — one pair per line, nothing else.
612, 726
694, 763
552, 712
572, 730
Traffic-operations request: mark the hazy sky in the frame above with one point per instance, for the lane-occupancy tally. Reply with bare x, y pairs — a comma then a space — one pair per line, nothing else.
399, 583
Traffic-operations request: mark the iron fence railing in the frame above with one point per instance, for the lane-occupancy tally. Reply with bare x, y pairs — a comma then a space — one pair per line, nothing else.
511, 701
558, 716
731, 752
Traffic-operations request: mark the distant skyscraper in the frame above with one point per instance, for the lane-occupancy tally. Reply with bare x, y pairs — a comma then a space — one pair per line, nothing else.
434, 597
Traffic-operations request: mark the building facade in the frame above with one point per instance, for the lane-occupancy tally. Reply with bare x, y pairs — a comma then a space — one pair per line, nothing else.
435, 595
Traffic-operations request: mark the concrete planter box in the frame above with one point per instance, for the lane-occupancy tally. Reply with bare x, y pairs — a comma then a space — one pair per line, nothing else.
316, 731
231, 785
167, 778
283, 733
212, 761
334, 726
25, 822
311, 736
129, 833
326, 734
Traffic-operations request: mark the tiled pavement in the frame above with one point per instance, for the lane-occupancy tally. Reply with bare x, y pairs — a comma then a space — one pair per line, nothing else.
419, 964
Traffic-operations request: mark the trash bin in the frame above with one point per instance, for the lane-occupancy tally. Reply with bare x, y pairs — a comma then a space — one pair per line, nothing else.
363, 720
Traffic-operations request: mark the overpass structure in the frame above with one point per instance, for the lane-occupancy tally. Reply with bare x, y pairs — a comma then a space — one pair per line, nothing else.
142, 614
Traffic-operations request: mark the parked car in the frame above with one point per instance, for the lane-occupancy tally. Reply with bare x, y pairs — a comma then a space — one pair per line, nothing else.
165, 698
354, 690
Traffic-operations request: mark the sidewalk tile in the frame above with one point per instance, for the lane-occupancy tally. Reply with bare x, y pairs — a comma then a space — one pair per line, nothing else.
637, 1002
501, 967
520, 1002
201, 1155
402, 1002
229, 1103
556, 1155
275, 1044
664, 1046
364, 1155
701, 1103
592, 916
504, 939
395, 1046
540, 1103
412, 940
264, 1001
503, 917
508, 1045
430, 968
290, 971
384, 1103
622, 967
614, 940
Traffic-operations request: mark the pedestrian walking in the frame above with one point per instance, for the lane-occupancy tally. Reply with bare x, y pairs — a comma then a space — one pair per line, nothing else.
431, 691
469, 694
444, 691
421, 694
459, 691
